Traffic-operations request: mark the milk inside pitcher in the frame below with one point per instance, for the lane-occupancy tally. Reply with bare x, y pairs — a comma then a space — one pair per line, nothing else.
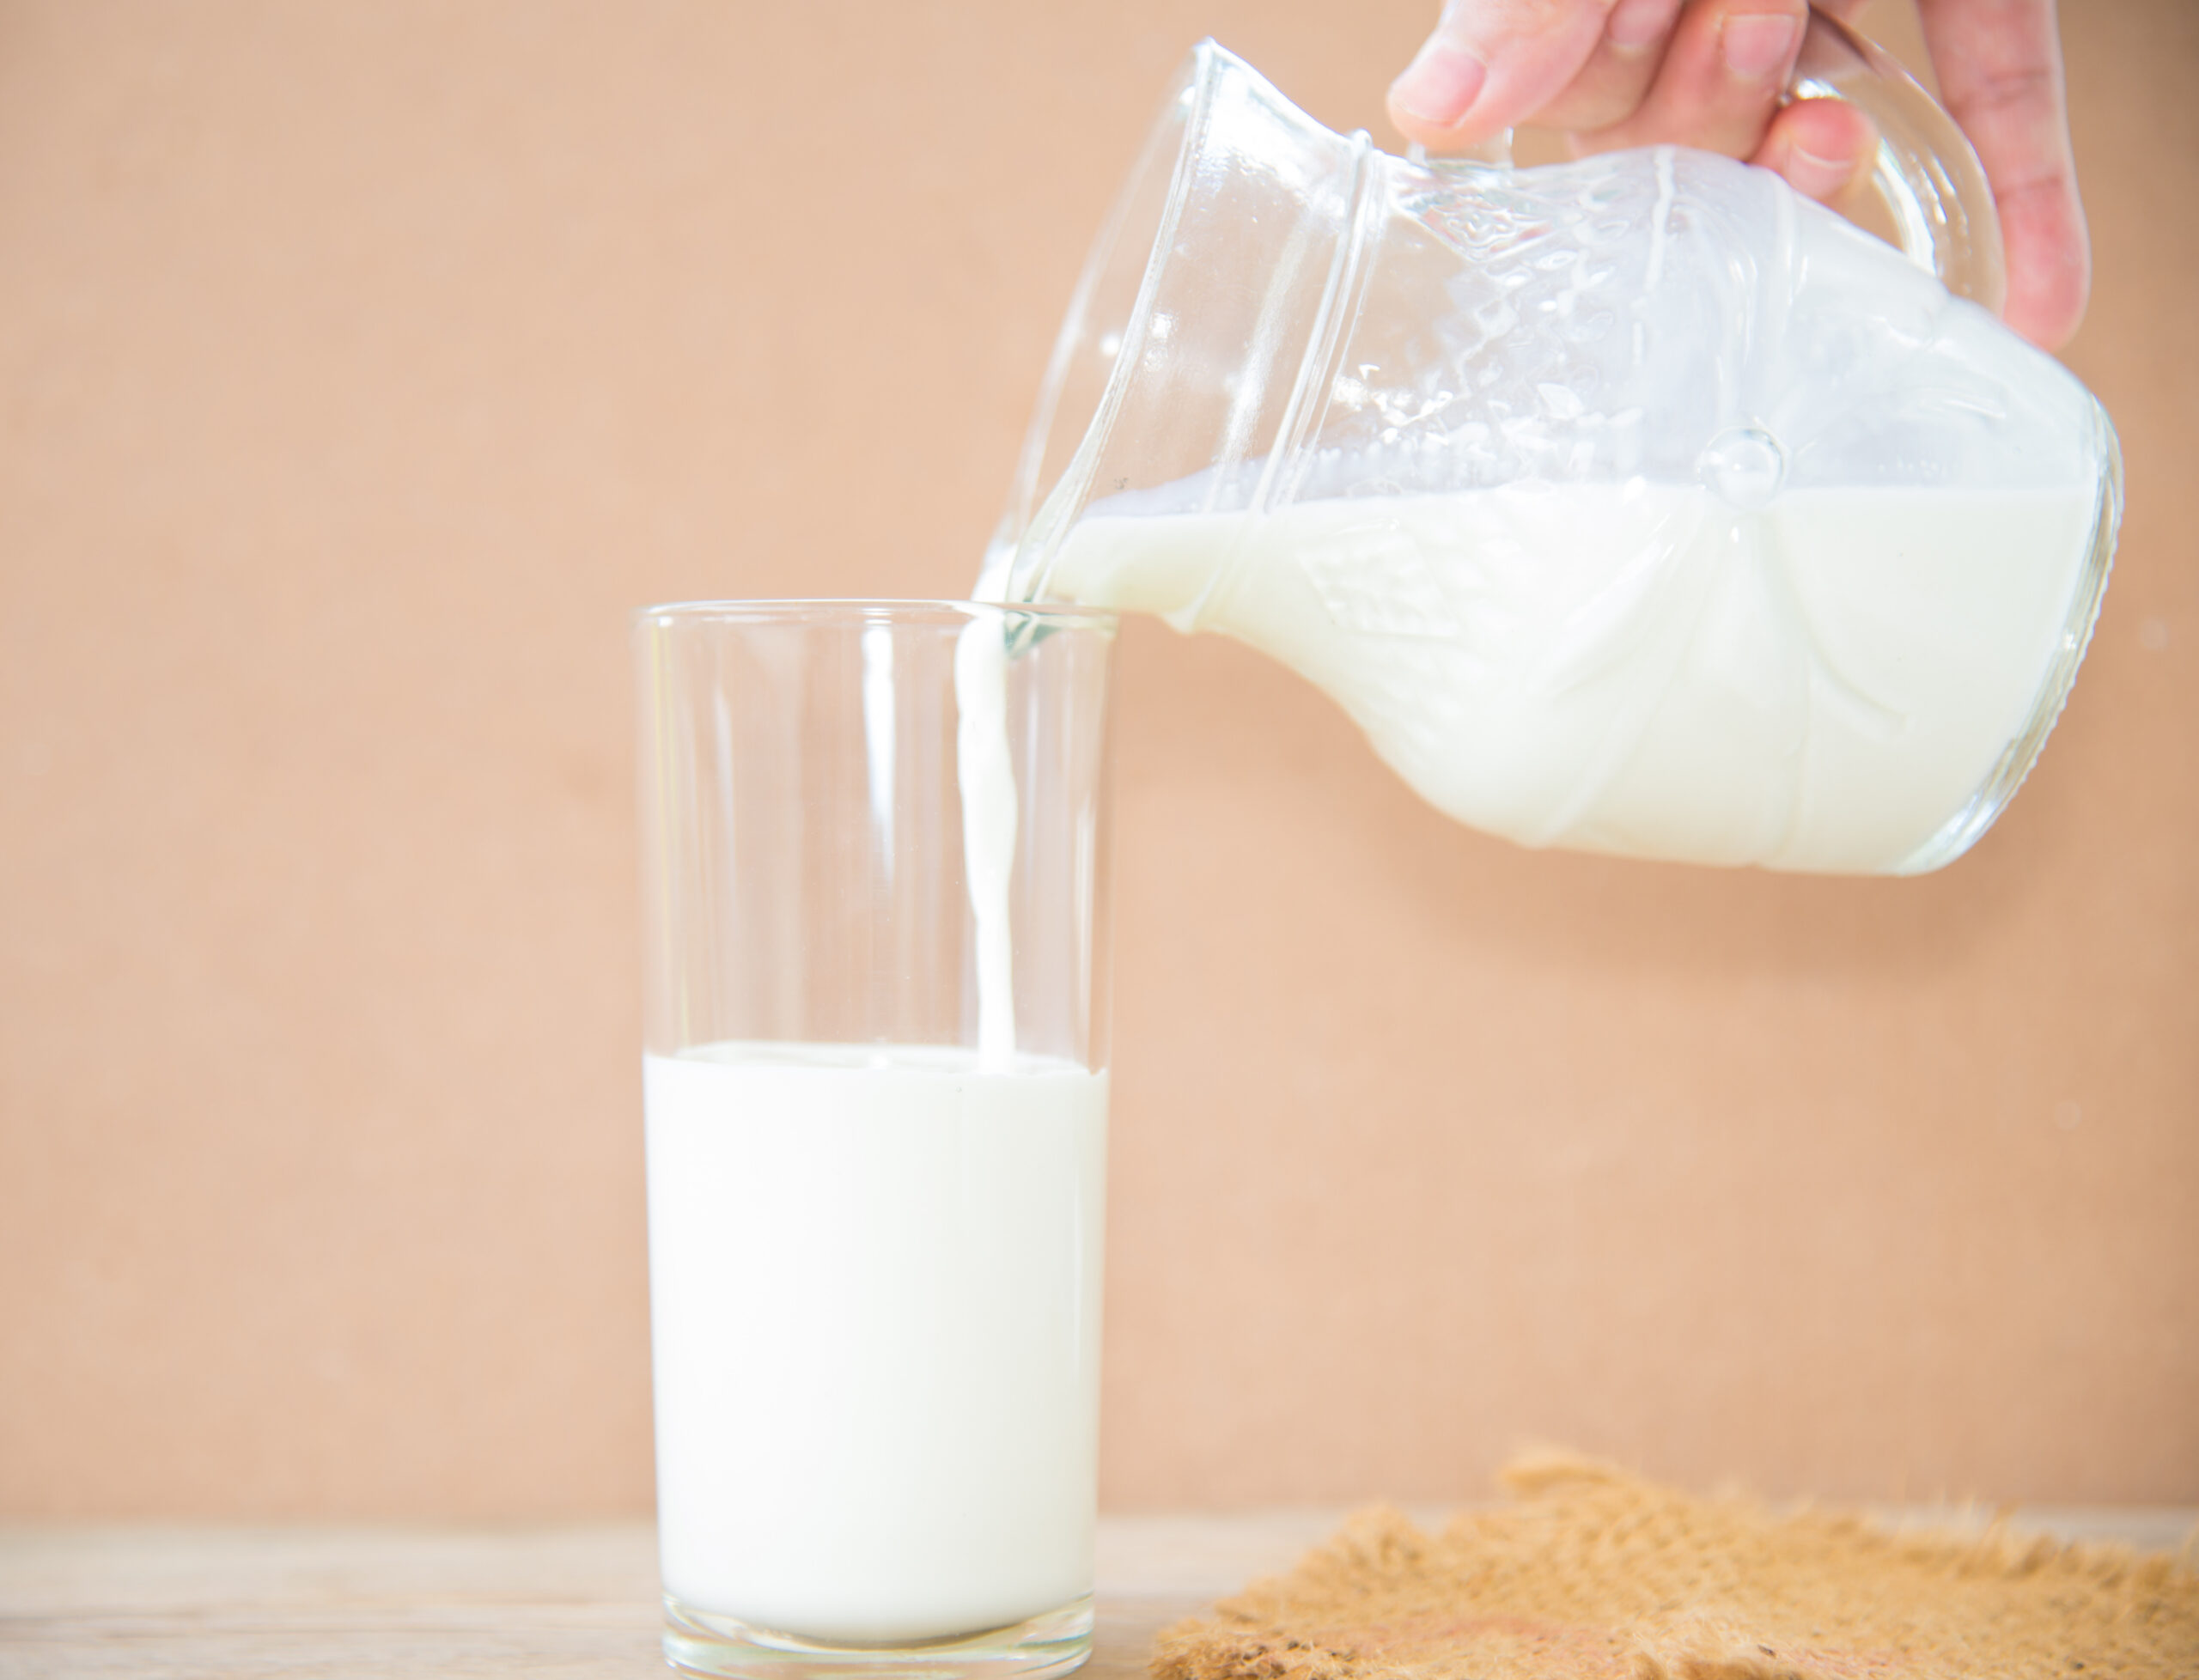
1635, 505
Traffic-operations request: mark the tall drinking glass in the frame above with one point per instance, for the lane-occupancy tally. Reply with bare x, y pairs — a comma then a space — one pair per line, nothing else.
875, 875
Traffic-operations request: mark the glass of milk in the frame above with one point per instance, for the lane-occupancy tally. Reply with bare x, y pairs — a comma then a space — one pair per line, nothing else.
875, 884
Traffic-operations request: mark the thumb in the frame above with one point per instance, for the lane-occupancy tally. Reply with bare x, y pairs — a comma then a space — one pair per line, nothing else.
1491, 64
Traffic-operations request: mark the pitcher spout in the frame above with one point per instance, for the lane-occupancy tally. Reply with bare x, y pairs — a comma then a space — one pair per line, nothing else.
1188, 350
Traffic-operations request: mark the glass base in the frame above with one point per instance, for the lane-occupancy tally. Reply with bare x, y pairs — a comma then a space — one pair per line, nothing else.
699, 1643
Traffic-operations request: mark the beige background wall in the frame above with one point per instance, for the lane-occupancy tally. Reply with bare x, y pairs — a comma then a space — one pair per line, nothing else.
361, 364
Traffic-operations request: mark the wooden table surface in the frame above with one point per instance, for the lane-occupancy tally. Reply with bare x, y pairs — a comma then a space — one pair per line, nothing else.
195, 1602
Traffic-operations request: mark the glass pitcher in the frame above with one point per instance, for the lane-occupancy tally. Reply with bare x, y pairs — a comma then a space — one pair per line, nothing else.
1636, 504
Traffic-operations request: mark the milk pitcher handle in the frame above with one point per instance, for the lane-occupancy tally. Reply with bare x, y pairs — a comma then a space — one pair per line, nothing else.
1925, 170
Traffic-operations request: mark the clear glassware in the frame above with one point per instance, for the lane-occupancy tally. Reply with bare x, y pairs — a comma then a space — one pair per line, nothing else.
874, 850
1635, 504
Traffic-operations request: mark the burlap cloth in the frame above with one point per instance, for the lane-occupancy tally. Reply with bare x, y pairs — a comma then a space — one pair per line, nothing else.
1591, 1573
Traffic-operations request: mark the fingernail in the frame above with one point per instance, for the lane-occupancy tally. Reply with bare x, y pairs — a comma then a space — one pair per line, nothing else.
1441, 85
1755, 44
1815, 177
1634, 24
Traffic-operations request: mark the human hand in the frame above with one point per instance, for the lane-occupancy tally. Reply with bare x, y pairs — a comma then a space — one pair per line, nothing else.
1712, 74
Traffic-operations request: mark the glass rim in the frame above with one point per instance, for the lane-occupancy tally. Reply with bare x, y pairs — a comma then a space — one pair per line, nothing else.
869, 609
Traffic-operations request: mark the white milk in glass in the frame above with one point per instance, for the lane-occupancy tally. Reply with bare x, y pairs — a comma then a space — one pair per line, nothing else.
875, 1293
1638, 667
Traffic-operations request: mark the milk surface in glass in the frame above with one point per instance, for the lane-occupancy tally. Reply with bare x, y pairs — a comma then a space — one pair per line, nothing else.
875, 1293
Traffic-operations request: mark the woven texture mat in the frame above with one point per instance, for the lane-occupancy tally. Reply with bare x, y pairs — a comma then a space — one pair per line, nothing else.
1590, 1572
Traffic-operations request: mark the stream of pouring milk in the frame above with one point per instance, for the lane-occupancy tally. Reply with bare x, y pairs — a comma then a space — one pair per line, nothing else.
1637, 667
986, 777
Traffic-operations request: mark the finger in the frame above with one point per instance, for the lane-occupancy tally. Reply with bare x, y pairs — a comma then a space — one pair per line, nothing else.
1822, 146
2050, 262
1720, 81
1491, 64
1612, 84
1999, 69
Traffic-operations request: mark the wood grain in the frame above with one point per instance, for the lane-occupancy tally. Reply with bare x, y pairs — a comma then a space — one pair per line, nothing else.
205, 1602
